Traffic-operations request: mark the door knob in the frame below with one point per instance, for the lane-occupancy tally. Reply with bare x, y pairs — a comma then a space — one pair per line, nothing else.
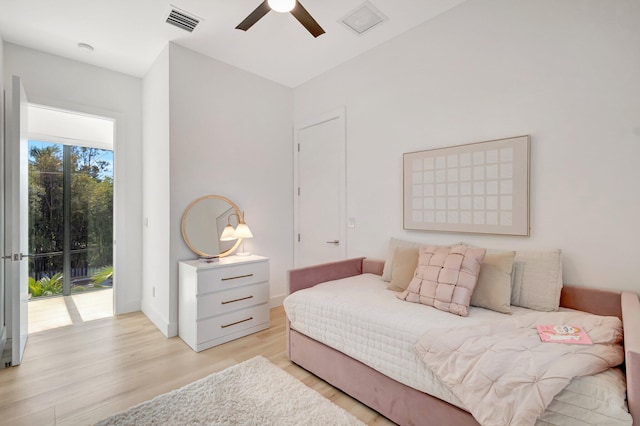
336, 242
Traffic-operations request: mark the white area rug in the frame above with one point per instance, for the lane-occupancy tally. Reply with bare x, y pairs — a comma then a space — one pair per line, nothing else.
254, 392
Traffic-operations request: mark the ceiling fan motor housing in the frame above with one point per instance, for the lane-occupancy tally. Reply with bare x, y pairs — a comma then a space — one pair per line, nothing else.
296, 9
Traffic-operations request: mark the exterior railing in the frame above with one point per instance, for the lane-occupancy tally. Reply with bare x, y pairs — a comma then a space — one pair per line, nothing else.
45, 266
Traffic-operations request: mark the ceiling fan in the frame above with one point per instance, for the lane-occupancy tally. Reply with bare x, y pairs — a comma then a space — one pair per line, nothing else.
292, 6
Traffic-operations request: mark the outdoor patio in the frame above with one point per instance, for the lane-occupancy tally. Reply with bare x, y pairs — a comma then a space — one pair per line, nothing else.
52, 312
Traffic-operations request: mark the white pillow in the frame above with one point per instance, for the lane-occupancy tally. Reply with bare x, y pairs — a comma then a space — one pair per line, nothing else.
537, 279
387, 271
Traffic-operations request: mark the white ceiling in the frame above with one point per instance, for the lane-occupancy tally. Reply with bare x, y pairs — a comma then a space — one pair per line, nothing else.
129, 34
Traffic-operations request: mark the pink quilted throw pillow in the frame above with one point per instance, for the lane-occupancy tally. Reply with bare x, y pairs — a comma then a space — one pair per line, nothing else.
445, 278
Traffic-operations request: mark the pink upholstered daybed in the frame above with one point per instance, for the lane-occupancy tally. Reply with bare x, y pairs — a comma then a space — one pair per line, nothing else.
405, 404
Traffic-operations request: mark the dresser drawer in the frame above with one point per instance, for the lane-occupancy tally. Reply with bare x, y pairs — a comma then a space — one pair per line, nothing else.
219, 326
232, 299
232, 276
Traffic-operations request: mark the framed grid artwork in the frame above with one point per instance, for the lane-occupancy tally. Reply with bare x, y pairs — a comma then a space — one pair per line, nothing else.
480, 188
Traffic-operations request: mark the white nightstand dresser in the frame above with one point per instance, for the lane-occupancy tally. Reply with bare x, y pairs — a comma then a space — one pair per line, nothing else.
222, 301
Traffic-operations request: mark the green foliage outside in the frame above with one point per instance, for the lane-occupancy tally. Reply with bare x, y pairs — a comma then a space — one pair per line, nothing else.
45, 286
102, 275
91, 211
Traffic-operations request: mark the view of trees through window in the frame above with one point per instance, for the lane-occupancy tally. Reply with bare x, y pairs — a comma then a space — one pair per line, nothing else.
70, 234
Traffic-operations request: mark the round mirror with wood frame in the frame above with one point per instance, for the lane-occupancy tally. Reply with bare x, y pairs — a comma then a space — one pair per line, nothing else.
203, 222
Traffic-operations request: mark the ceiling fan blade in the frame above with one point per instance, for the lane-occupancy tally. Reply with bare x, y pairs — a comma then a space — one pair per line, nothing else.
307, 20
254, 16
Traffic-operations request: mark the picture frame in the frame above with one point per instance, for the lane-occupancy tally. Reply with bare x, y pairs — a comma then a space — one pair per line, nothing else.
480, 187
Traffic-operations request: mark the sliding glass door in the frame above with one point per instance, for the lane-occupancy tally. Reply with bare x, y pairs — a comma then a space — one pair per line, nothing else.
70, 218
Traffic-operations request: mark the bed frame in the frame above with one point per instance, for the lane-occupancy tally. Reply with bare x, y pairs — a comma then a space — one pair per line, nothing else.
407, 406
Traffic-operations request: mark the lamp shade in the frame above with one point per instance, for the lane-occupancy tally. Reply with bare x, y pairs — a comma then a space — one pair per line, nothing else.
242, 231
282, 5
228, 234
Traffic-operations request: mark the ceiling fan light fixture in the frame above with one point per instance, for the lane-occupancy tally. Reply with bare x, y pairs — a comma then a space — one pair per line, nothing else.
282, 6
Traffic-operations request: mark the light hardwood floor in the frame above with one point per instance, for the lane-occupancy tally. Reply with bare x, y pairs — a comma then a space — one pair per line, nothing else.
81, 373
52, 312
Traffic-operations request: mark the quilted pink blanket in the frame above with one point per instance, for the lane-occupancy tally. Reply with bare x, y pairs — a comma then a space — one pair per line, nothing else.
505, 375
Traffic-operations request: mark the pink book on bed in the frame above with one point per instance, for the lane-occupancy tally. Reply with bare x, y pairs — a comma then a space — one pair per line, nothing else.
562, 333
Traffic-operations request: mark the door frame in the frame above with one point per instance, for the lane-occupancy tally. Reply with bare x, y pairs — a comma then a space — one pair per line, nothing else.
121, 300
336, 114
65, 144
16, 225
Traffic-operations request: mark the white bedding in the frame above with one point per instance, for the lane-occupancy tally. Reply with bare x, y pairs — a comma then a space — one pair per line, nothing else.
361, 318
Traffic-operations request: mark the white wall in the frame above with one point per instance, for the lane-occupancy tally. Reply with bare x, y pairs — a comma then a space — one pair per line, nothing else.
231, 135
155, 194
67, 84
567, 73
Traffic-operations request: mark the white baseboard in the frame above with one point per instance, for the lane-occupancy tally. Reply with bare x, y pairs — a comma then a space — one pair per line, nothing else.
172, 329
157, 319
276, 301
4, 357
127, 308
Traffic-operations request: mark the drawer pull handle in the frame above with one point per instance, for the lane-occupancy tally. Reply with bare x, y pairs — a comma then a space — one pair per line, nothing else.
236, 300
236, 323
238, 277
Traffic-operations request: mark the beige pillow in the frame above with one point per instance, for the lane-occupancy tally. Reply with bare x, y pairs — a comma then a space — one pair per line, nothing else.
536, 280
394, 243
404, 267
493, 289
445, 278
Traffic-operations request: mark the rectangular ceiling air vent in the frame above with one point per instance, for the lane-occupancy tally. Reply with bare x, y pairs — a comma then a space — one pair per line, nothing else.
182, 19
363, 18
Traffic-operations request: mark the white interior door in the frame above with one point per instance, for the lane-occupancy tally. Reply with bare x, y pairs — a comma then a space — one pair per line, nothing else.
320, 197
5, 257
16, 220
